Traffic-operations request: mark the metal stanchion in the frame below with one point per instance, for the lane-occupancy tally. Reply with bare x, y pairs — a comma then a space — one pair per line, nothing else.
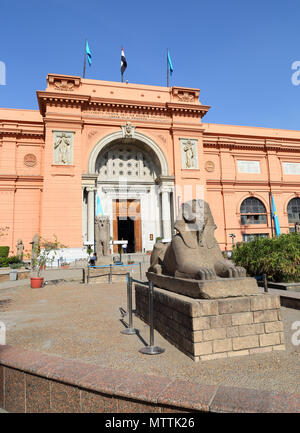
88, 275
130, 330
110, 274
151, 349
265, 280
140, 266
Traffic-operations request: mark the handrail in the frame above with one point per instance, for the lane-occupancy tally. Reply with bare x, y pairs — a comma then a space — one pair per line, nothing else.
107, 266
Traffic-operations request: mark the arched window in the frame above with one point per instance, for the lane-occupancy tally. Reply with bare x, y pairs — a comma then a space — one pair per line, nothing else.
253, 211
293, 209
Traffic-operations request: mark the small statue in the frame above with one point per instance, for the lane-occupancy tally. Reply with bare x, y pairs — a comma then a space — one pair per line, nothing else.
189, 154
193, 252
297, 227
102, 235
63, 145
20, 249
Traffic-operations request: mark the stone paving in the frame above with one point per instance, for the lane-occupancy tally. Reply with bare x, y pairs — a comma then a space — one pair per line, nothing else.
79, 321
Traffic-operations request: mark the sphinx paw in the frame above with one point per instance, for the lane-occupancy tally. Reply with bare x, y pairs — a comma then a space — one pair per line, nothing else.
206, 274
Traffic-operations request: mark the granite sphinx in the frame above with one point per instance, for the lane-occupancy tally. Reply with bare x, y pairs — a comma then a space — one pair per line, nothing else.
193, 262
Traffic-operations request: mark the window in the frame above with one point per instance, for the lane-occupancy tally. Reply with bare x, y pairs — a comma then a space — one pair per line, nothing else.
252, 236
253, 211
293, 209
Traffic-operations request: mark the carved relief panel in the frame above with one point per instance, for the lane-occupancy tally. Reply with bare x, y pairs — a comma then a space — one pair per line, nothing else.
63, 143
189, 154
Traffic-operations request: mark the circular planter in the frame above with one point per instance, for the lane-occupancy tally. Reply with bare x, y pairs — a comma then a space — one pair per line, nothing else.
36, 282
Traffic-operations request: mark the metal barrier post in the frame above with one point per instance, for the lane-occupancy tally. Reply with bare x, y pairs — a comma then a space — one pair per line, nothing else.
151, 349
140, 266
88, 275
265, 280
110, 274
130, 330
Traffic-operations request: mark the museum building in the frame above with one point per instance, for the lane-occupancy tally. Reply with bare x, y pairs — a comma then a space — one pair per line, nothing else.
134, 153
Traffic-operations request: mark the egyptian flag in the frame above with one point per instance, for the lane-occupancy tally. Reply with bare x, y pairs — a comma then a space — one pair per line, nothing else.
123, 62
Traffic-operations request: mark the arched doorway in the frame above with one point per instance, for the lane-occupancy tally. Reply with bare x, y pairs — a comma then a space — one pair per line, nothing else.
134, 189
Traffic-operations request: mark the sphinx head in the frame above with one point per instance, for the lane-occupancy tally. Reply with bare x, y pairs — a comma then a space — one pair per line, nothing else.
194, 214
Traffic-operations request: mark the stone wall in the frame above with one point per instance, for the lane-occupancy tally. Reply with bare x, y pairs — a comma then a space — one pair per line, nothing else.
209, 329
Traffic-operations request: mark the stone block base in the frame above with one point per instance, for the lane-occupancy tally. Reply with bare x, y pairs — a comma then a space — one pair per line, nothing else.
207, 329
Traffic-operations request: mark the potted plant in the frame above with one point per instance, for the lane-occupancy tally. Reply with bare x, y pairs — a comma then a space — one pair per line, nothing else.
42, 255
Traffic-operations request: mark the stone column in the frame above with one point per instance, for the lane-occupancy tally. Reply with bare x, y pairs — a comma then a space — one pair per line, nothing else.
84, 217
166, 214
90, 215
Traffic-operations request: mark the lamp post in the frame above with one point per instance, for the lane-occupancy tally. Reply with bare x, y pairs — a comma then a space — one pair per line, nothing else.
232, 236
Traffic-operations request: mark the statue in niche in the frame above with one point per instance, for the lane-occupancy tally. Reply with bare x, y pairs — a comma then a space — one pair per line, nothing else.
297, 227
20, 249
189, 154
63, 147
102, 232
193, 252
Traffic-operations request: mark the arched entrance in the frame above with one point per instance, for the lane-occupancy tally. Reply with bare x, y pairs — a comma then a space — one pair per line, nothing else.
130, 176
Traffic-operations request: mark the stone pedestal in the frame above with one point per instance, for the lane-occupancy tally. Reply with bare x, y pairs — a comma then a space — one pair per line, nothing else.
207, 329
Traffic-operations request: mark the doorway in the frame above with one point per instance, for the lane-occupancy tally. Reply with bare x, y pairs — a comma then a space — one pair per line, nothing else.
127, 224
126, 231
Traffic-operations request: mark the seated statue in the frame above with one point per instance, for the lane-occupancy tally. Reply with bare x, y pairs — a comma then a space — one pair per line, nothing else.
193, 252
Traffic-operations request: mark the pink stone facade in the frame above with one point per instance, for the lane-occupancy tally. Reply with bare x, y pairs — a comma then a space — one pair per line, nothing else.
40, 193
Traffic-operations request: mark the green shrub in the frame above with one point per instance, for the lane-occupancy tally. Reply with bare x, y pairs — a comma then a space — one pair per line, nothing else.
277, 257
6, 261
16, 265
4, 252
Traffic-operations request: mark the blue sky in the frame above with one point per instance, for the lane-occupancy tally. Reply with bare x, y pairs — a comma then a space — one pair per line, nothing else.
238, 53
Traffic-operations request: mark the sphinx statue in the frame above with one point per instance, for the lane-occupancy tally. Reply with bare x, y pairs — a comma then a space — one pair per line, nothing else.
193, 258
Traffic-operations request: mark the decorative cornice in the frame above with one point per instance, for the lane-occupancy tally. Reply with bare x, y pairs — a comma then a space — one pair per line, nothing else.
21, 178
87, 103
248, 144
16, 129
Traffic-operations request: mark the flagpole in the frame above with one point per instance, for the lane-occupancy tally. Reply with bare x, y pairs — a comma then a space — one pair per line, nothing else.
167, 69
84, 62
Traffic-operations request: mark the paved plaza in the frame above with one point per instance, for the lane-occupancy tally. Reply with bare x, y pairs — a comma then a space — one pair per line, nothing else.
78, 321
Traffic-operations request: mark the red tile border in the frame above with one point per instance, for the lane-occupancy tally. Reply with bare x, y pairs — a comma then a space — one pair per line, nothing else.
188, 395
31, 380
1, 386
14, 391
244, 400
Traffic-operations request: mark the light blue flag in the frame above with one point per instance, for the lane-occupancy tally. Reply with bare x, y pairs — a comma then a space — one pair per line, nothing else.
88, 53
170, 63
275, 218
99, 210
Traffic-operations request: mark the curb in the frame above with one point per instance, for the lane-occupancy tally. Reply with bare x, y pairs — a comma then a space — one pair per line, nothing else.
35, 382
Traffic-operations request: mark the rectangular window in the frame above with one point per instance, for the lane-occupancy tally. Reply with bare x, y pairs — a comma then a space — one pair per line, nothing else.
253, 219
251, 167
252, 236
291, 167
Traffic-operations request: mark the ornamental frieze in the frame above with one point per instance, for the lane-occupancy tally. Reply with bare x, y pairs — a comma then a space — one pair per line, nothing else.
159, 117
